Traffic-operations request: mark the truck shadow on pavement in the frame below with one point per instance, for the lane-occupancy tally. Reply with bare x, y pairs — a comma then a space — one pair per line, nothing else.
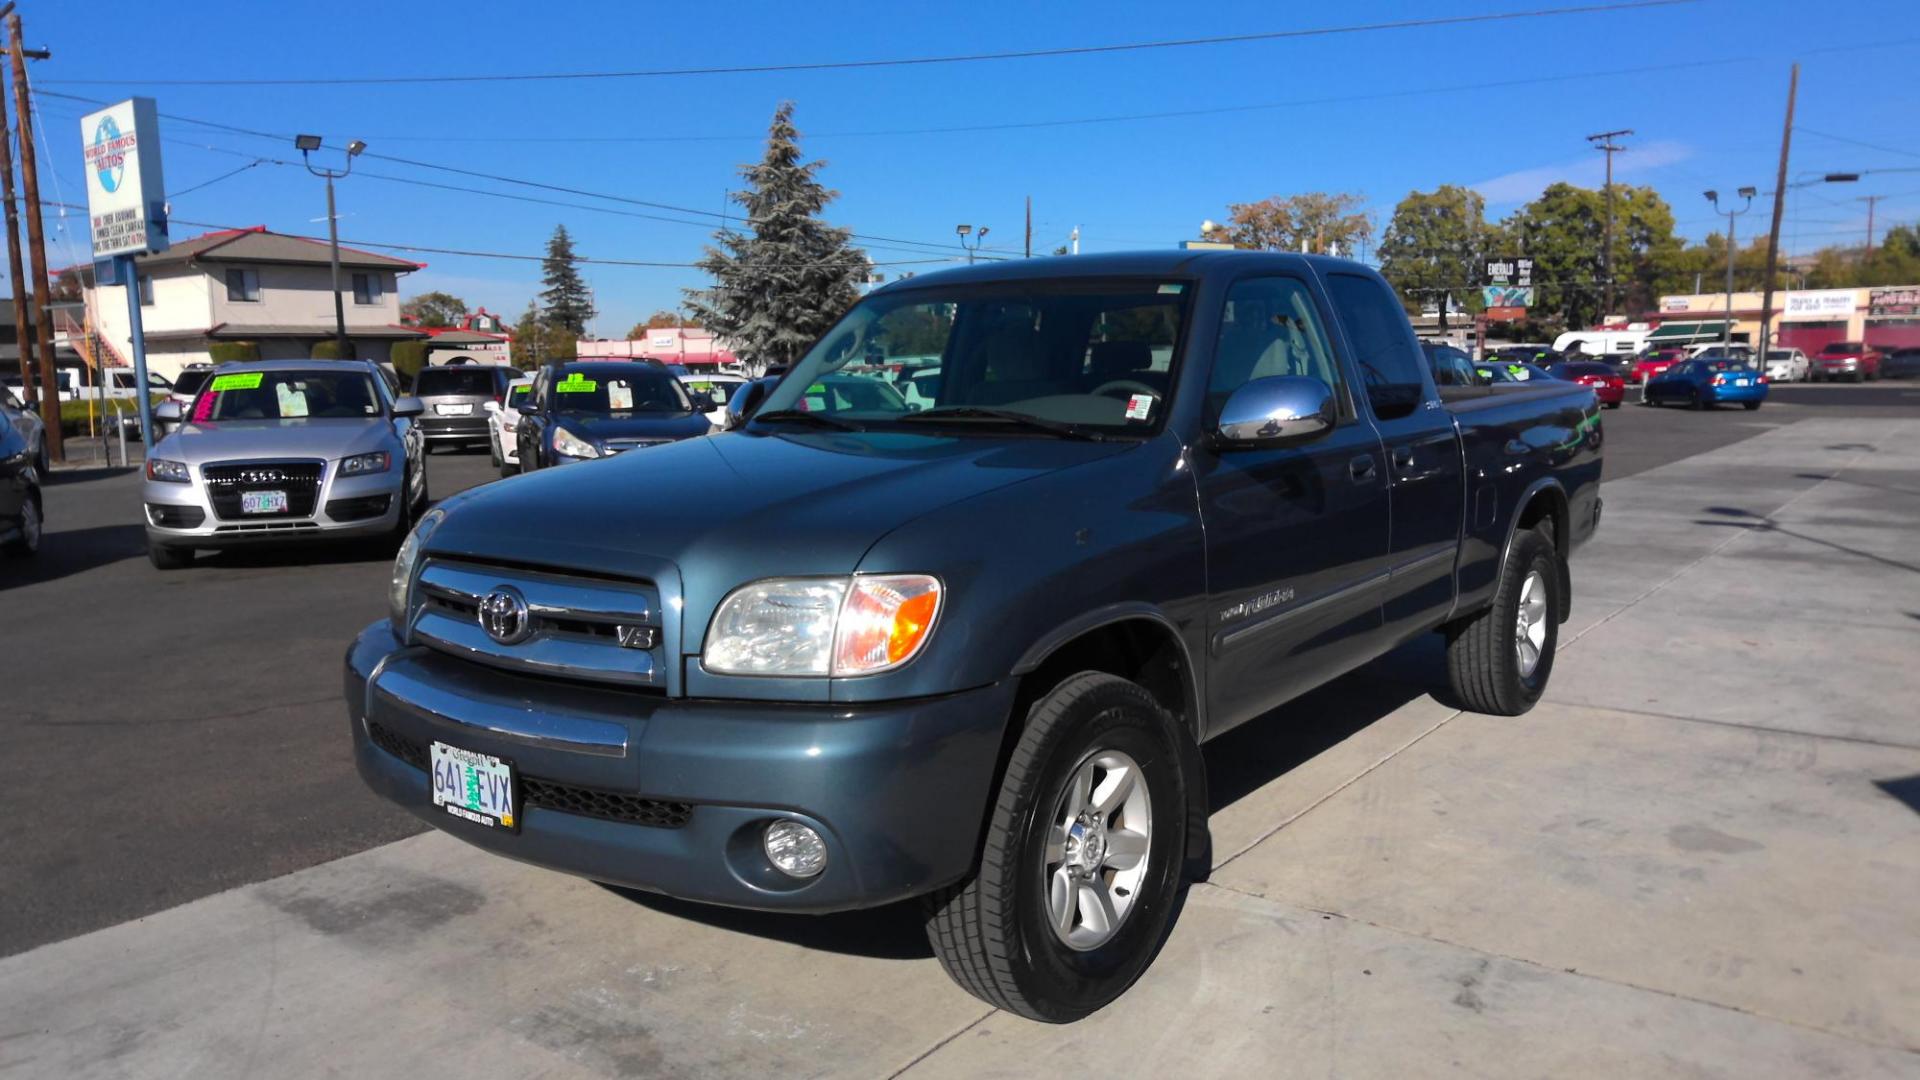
75, 551
1756, 523
1238, 763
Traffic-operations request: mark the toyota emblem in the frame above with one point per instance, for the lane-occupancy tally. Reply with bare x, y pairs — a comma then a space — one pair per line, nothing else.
504, 616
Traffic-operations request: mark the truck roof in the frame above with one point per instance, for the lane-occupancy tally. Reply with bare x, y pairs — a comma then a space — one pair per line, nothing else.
1171, 263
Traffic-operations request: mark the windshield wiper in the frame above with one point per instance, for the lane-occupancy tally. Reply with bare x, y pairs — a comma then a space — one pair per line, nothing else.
805, 417
1010, 416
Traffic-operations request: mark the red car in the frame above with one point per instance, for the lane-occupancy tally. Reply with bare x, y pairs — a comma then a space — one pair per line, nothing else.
1853, 360
1655, 362
1607, 384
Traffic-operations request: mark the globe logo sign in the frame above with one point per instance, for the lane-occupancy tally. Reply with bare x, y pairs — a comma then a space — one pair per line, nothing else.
109, 164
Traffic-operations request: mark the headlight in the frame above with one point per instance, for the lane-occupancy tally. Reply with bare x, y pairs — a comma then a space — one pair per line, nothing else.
173, 472
403, 567
822, 626
566, 442
361, 464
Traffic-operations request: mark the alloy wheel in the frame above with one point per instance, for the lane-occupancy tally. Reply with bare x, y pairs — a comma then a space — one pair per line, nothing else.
1096, 853
1530, 628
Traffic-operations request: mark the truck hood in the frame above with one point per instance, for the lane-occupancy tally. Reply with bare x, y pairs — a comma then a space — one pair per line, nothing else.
226, 440
637, 426
731, 508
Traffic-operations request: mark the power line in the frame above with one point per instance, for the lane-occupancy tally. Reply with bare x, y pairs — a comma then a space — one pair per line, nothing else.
914, 61
1859, 142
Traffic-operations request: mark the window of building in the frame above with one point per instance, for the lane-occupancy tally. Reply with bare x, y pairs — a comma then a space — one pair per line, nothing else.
146, 291
366, 288
243, 285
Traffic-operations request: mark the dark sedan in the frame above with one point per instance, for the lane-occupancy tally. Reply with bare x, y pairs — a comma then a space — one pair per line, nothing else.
20, 506
578, 411
1900, 364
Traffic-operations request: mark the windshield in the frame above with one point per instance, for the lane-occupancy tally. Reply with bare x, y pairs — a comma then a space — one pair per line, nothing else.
287, 395
1844, 347
518, 394
1095, 354
190, 382
460, 381
617, 390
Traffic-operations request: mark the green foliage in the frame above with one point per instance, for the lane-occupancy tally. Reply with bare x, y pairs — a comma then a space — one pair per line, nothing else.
435, 309
1435, 248
1564, 232
233, 352
661, 320
781, 286
73, 414
1316, 219
331, 349
568, 304
408, 357
536, 342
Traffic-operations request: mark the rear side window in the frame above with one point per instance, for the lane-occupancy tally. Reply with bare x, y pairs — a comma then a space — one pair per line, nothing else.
1382, 349
451, 381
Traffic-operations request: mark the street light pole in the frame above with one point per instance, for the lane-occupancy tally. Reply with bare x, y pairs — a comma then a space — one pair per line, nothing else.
307, 144
963, 231
1747, 193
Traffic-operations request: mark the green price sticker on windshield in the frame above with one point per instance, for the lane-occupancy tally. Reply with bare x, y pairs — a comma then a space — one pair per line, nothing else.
246, 380
817, 388
575, 384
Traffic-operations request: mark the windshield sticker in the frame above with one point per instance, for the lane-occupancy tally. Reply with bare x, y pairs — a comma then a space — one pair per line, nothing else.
1140, 406
703, 387
817, 388
619, 396
1172, 289
246, 380
576, 383
293, 402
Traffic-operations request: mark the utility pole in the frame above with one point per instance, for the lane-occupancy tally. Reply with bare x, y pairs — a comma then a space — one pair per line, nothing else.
1773, 234
1870, 200
1029, 227
13, 250
1604, 142
36, 245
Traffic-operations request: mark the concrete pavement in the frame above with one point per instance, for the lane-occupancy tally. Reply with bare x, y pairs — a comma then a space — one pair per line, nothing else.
1700, 856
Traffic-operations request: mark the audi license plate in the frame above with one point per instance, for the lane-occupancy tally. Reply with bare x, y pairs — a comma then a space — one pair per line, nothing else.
462, 408
263, 502
474, 787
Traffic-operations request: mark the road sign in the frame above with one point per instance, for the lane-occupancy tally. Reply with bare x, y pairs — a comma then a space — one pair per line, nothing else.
126, 196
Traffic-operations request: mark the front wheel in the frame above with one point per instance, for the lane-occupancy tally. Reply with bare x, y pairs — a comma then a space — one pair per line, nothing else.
1498, 660
27, 544
168, 557
1081, 866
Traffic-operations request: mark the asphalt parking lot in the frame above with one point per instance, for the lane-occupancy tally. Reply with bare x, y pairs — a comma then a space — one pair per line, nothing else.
1718, 856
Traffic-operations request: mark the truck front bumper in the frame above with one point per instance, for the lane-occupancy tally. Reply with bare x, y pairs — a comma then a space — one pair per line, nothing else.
674, 795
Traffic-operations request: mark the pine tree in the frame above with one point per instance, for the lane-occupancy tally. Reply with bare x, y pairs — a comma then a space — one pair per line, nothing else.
568, 305
779, 287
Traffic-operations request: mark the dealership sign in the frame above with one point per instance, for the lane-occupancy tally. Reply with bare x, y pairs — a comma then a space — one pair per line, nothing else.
1894, 301
1823, 302
126, 197
1509, 288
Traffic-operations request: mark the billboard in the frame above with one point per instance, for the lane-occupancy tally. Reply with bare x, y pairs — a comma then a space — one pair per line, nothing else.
1892, 301
126, 196
1821, 302
1513, 296
1509, 286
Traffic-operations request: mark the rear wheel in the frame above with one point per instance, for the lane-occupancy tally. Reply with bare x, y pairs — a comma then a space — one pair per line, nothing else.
1498, 661
168, 557
1751, 405
1698, 402
27, 544
1081, 866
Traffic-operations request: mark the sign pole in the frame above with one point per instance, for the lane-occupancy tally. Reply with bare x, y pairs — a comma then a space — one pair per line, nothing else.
127, 272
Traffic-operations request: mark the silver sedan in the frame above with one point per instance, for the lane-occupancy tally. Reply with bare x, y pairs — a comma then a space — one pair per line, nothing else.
285, 450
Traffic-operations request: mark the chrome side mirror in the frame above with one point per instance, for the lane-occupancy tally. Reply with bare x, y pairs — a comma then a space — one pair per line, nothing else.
1281, 410
409, 406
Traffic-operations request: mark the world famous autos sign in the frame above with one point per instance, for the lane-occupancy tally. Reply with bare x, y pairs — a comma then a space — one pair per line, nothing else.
126, 196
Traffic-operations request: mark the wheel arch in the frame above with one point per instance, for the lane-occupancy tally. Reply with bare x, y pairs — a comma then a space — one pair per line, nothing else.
1546, 500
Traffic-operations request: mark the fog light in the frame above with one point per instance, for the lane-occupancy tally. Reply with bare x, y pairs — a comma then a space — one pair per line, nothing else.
795, 849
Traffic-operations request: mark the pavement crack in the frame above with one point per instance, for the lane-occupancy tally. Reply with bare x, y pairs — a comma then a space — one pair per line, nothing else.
1761, 728
936, 1047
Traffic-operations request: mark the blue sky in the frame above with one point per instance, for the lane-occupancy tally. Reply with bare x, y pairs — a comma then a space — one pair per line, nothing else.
1383, 113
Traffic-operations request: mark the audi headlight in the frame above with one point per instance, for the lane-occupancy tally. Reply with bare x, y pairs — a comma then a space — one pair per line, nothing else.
398, 592
173, 472
822, 626
361, 464
567, 443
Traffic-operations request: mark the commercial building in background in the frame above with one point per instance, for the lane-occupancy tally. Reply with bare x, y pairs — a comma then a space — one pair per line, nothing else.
481, 337
247, 285
1885, 317
687, 345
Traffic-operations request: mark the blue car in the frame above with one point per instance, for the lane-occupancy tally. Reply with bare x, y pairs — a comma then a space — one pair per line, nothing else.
1703, 384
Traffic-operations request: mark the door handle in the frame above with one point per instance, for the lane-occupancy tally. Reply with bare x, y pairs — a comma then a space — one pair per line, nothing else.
1361, 469
1403, 457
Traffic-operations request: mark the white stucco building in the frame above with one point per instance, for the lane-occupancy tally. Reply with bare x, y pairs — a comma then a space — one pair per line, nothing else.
250, 285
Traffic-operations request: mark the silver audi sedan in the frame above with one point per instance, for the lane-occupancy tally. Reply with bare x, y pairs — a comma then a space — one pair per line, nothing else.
284, 450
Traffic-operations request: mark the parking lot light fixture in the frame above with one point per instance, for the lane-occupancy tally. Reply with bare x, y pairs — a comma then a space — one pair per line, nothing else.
1713, 196
307, 144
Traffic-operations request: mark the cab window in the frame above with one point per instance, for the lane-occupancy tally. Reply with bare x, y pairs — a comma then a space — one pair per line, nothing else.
1270, 327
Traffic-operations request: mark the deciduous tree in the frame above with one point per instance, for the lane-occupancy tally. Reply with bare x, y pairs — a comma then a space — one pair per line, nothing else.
1435, 247
435, 309
1312, 221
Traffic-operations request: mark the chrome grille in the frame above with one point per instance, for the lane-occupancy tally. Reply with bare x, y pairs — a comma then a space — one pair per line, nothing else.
226, 480
579, 628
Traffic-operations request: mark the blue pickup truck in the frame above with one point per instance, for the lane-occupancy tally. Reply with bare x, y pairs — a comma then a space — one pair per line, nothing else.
966, 648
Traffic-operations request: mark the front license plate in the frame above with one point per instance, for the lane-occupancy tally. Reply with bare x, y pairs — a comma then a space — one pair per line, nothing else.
474, 787
263, 502
460, 409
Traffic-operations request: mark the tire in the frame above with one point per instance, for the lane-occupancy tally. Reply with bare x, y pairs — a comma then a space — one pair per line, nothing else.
1698, 403
1614, 405
32, 529
1859, 376
494, 448
1751, 405
168, 557
508, 468
1485, 666
995, 933
42, 463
